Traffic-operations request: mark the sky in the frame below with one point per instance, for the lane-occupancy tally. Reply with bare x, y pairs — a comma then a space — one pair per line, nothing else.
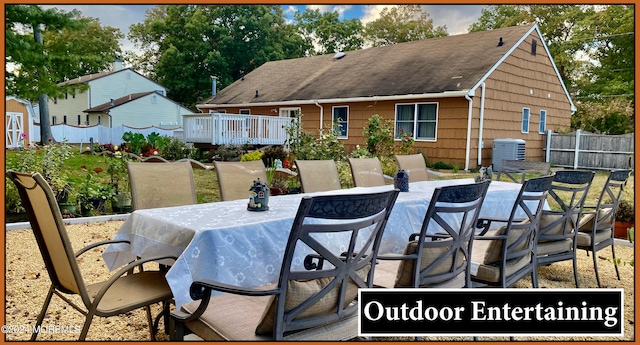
457, 18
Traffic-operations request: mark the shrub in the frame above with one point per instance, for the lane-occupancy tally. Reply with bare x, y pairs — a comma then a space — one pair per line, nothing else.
626, 211
272, 153
251, 156
227, 152
378, 136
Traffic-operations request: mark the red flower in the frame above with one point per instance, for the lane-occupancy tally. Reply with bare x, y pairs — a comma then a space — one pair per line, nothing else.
286, 164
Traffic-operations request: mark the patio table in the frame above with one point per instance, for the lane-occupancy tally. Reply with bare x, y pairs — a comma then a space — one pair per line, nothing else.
223, 241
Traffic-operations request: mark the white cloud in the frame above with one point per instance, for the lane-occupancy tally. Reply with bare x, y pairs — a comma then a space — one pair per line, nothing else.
372, 12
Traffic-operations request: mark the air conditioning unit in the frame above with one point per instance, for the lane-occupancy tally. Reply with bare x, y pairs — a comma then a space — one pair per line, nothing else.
510, 149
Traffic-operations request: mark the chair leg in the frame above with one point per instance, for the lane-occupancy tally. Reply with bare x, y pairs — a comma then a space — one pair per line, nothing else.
87, 323
595, 267
534, 277
615, 265
151, 323
45, 306
575, 271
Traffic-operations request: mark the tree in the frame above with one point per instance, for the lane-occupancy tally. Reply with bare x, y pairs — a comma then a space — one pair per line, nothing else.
327, 33
45, 47
185, 45
558, 24
403, 23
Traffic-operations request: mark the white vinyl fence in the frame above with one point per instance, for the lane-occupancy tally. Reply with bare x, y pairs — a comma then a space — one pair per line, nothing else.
100, 134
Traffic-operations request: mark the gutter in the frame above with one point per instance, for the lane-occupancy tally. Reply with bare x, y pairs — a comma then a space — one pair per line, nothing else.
321, 114
481, 125
445, 94
468, 149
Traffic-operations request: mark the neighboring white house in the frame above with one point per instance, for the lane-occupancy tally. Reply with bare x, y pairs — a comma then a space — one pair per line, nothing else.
103, 87
138, 110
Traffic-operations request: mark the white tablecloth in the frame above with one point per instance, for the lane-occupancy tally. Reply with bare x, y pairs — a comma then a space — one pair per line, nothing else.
223, 241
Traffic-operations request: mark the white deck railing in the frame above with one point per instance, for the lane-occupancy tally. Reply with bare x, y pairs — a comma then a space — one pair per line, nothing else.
219, 129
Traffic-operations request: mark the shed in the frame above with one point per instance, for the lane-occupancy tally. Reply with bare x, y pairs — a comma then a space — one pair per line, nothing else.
19, 117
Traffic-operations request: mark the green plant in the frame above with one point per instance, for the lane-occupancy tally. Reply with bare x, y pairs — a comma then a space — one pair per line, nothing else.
174, 149
626, 211
93, 194
406, 143
442, 165
272, 153
117, 170
227, 152
251, 156
378, 136
360, 152
270, 171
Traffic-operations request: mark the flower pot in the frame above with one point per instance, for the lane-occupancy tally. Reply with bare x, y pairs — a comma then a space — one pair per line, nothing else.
93, 204
620, 229
277, 191
68, 209
121, 203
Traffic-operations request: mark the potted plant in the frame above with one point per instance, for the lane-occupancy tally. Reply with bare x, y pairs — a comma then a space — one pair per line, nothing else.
93, 194
625, 218
119, 181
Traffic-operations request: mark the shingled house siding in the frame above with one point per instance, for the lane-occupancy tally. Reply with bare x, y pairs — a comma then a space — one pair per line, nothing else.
522, 80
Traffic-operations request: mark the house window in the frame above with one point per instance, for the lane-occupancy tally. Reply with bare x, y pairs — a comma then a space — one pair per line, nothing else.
79, 120
99, 120
525, 120
154, 99
66, 95
55, 100
419, 120
54, 121
73, 95
87, 123
543, 121
289, 112
64, 119
341, 121
245, 111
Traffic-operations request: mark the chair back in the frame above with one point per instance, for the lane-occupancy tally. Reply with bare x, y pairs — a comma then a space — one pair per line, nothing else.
50, 232
567, 196
318, 175
517, 170
366, 172
161, 184
325, 290
520, 234
235, 178
414, 165
444, 259
608, 201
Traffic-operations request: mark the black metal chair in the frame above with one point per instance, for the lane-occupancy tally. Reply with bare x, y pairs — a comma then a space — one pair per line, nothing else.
444, 258
595, 230
314, 302
557, 235
506, 255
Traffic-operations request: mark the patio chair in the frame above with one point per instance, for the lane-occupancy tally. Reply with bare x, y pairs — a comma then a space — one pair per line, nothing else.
559, 227
517, 170
318, 175
502, 257
415, 166
444, 257
235, 178
123, 292
595, 230
367, 172
315, 298
161, 184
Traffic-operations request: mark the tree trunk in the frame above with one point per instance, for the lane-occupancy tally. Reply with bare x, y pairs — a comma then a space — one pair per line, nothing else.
45, 128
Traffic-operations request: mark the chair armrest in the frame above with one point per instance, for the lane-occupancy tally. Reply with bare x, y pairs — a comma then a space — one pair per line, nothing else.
387, 177
126, 269
199, 288
98, 244
392, 256
487, 238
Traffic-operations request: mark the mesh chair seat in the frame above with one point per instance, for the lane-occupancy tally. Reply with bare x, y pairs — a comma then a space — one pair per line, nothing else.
366, 172
318, 175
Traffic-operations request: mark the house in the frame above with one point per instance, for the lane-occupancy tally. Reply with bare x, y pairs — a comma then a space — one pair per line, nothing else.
103, 87
453, 94
142, 109
19, 117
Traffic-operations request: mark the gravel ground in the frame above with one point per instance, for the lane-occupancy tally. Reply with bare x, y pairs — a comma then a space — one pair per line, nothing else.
27, 284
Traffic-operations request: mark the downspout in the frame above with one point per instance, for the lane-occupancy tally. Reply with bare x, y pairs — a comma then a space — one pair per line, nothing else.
466, 159
480, 142
321, 114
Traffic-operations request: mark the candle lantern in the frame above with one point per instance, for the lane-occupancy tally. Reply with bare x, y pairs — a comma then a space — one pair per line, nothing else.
258, 196
401, 181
